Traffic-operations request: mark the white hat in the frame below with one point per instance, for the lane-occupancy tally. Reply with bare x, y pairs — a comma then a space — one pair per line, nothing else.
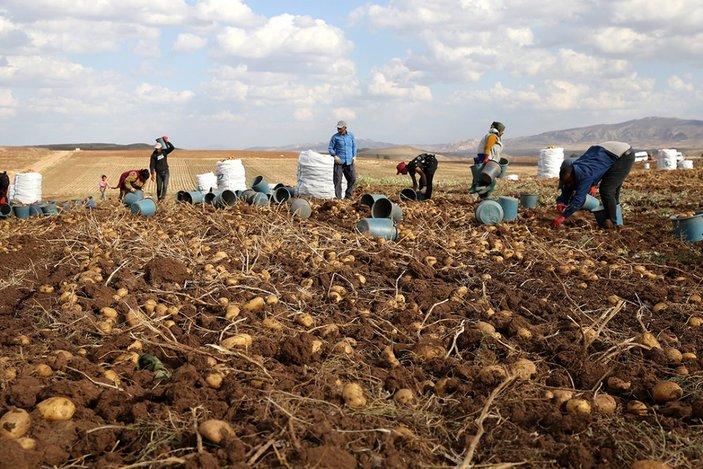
341, 125
157, 146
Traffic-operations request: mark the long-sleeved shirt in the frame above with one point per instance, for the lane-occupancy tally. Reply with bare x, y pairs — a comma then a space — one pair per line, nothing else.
588, 171
158, 162
343, 146
491, 146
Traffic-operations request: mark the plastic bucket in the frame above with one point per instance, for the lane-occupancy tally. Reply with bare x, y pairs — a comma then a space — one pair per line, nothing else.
599, 213
689, 229
591, 203
49, 208
647, 166
476, 173
259, 184
35, 210
192, 197
179, 196
503, 167
209, 197
144, 207
370, 199
408, 194
490, 171
21, 211
300, 208
489, 212
509, 206
258, 198
529, 200
384, 208
378, 228
280, 195
224, 199
5, 210
161, 141
131, 197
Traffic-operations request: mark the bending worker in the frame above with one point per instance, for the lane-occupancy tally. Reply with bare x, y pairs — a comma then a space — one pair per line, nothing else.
489, 148
131, 181
425, 166
608, 163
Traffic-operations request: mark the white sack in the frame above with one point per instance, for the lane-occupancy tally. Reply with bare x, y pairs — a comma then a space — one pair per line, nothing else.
28, 187
230, 175
666, 159
204, 182
550, 160
315, 175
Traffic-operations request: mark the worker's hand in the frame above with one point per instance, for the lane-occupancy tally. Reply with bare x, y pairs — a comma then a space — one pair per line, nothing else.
592, 191
153, 177
165, 138
557, 223
337, 160
485, 160
131, 190
423, 190
561, 208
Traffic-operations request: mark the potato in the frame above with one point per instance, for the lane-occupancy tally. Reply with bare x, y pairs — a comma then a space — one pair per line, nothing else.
389, 357
353, 395
524, 333
111, 375
43, 370
27, 443
239, 340
428, 352
689, 356
404, 396
605, 403
523, 368
578, 407
254, 304
122, 292
316, 345
617, 384
637, 408
343, 347
272, 324
105, 326
46, 289
15, 423
649, 464
613, 299
215, 430
214, 380
56, 408
109, 313
673, 356
665, 391
561, 395
161, 309
695, 321
659, 307
271, 300
231, 312
149, 306
305, 320
486, 327
648, 340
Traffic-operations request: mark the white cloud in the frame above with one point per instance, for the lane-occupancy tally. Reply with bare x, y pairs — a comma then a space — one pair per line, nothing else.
7, 99
226, 11
187, 42
396, 81
158, 94
677, 83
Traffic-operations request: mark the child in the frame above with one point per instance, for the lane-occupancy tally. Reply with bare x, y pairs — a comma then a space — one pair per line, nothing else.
103, 185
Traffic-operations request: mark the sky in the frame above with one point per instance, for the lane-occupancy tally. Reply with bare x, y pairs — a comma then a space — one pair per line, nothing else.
237, 74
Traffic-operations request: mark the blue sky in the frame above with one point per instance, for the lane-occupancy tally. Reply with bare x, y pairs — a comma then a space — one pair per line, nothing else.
237, 74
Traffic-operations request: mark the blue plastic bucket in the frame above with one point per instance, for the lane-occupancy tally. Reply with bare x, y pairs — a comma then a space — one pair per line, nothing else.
599, 213
192, 197
384, 208
36, 210
503, 167
378, 228
509, 206
259, 184
300, 208
591, 203
489, 212
179, 196
689, 229
224, 199
131, 197
5, 210
370, 199
209, 197
258, 198
476, 173
49, 208
21, 211
529, 200
491, 170
144, 207
280, 195
408, 194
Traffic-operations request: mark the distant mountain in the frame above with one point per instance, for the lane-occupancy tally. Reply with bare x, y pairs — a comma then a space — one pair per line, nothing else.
96, 146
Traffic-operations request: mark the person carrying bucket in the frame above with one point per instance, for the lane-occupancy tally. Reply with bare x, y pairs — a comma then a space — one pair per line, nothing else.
607, 163
490, 148
342, 148
132, 180
425, 166
158, 165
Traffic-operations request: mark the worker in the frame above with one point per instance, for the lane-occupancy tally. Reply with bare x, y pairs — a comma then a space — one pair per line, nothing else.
158, 165
131, 181
607, 163
489, 148
4, 187
423, 165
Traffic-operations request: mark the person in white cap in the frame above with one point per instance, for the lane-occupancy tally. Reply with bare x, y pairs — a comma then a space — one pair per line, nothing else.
158, 165
343, 149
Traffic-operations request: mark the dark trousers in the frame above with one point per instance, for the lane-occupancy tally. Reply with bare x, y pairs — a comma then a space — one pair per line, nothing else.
429, 175
611, 183
161, 184
348, 171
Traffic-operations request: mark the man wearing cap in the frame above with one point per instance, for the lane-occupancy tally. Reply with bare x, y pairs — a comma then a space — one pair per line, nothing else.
158, 165
607, 163
343, 149
425, 166
489, 148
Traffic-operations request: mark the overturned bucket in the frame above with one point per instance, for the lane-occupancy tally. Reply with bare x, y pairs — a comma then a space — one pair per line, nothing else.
411, 194
599, 213
689, 229
259, 184
21, 211
5, 210
528, 200
131, 197
370, 199
378, 228
489, 212
192, 197
259, 198
49, 208
224, 199
384, 208
509, 206
209, 197
300, 208
280, 195
144, 207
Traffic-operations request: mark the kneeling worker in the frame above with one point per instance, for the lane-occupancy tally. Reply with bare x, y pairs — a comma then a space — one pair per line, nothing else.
608, 163
425, 166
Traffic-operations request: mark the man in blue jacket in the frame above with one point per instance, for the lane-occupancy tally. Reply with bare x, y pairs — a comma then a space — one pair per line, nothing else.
608, 163
343, 149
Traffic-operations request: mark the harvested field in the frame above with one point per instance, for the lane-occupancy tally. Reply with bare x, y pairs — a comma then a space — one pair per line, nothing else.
459, 345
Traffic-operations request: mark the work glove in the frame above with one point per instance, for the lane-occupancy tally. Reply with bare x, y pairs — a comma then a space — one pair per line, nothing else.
485, 160
592, 191
165, 138
557, 223
561, 208
337, 160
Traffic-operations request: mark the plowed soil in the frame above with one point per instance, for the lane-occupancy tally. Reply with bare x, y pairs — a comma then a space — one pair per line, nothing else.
466, 340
